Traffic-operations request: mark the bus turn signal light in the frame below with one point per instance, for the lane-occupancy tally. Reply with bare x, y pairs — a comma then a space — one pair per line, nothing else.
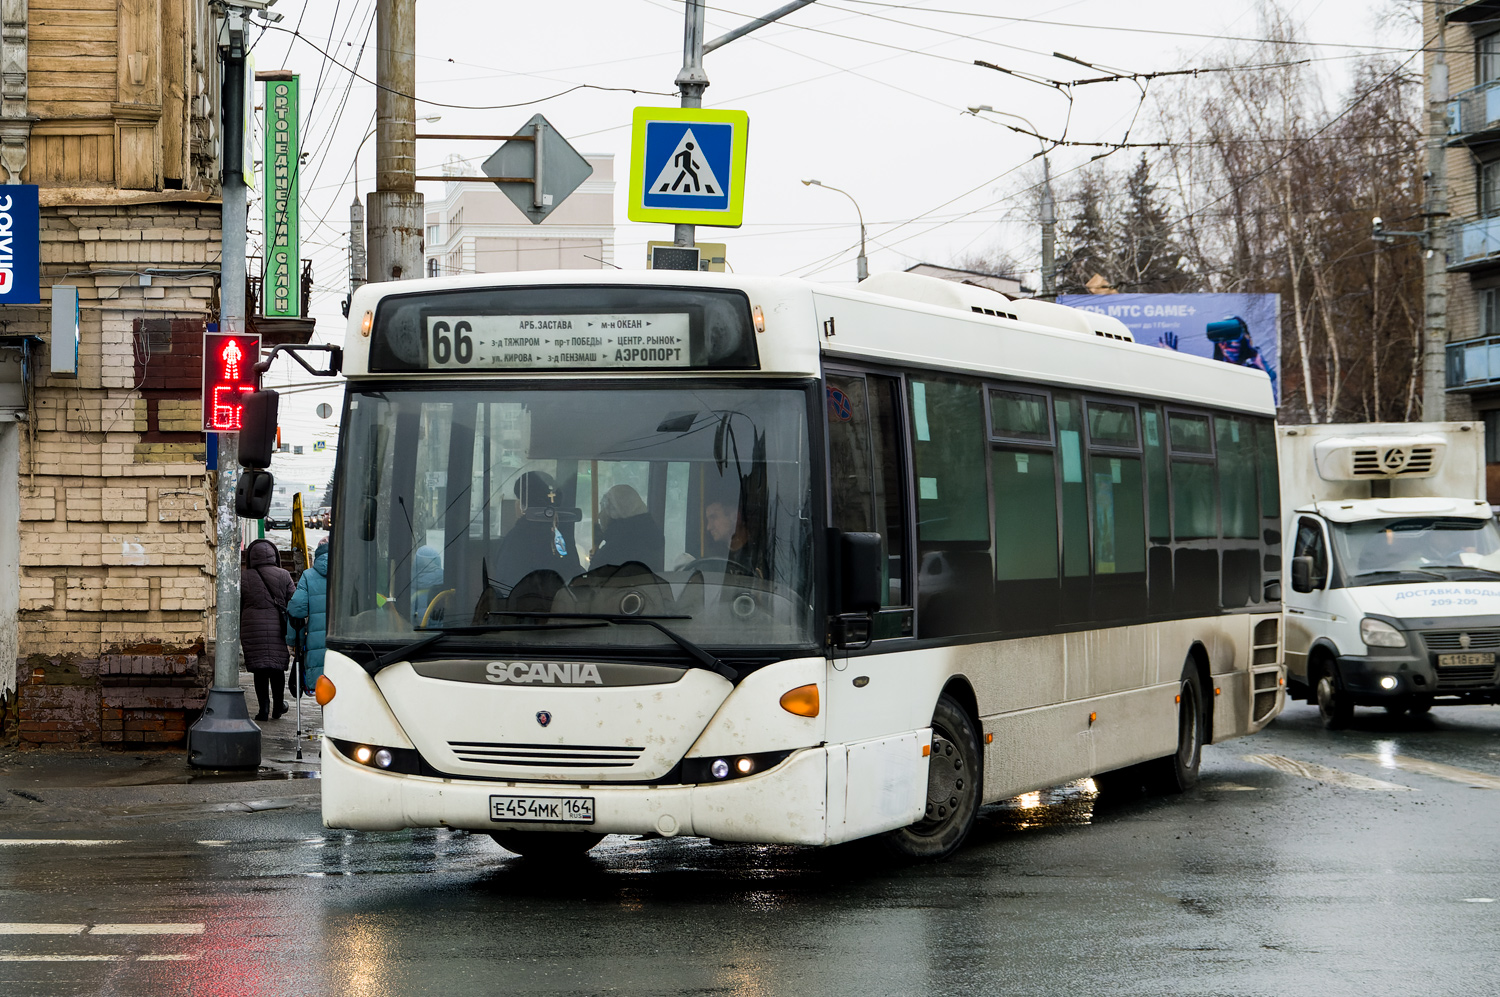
803, 701
323, 691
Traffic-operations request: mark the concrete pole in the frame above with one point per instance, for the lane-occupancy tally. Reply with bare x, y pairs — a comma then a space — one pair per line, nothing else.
396, 214
225, 737
1049, 234
1435, 269
691, 81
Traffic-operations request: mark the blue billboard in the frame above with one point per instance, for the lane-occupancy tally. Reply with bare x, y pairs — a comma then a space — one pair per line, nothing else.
20, 245
1242, 329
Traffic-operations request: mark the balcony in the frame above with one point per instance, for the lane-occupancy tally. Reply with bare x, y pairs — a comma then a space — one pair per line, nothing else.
1474, 112
1474, 244
1478, 10
1474, 364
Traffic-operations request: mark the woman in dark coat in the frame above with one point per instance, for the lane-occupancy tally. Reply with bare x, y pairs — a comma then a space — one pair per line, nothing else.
265, 587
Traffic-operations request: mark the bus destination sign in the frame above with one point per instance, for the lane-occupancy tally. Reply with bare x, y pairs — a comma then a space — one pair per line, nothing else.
560, 342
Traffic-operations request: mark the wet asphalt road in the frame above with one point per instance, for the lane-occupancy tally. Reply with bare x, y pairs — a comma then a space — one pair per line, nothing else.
1308, 862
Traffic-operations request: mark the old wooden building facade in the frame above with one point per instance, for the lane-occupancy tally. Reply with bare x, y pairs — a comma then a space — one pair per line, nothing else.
110, 106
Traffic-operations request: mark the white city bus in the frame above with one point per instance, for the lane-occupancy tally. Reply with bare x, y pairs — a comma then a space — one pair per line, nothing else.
762, 560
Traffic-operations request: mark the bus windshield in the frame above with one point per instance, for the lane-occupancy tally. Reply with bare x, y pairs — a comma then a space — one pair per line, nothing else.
533, 517
1418, 547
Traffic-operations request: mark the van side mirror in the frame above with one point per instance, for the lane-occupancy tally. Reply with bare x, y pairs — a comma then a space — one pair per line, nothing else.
252, 494
1302, 574
258, 428
859, 572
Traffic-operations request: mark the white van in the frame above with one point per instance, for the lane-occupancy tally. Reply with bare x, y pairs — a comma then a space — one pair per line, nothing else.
1392, 586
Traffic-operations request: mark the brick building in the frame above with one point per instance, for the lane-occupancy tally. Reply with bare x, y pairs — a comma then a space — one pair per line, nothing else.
105, 503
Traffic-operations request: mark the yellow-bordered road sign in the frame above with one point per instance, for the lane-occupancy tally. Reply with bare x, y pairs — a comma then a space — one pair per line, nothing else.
687, 166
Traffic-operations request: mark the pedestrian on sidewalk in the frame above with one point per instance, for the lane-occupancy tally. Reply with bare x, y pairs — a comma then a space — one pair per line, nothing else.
310, 603
265, 590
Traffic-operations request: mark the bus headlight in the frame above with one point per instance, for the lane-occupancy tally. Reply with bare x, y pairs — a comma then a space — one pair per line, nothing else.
727, 767
1378, 633
405, 761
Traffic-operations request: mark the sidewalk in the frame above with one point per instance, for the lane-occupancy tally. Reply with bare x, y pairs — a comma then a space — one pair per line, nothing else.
97, 766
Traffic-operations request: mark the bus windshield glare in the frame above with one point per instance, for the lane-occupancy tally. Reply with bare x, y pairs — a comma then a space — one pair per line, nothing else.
515, 515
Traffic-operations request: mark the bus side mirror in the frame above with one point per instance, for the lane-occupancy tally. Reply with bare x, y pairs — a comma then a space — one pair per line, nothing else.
252, 494
258, 428
859, 572
1302, 569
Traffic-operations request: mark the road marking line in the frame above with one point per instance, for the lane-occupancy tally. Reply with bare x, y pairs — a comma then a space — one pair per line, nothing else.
63, 958
214, 844
1479, 900
146, 929
29, 842
1437, 770
1321, 773
166, 958
21, 928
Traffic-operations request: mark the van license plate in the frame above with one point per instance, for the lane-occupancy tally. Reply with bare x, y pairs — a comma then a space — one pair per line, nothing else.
1460, 660
544, 809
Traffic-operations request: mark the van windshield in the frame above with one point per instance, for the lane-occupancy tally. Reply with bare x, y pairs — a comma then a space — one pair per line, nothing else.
521, 512
1418, 547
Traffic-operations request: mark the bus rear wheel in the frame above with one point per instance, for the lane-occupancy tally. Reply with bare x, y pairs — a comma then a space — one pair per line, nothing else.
546, 844
954, 785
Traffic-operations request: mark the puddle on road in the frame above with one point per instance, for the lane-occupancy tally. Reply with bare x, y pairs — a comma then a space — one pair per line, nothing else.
1061, 806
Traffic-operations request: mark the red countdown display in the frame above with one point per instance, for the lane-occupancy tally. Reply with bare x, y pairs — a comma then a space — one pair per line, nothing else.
228, 374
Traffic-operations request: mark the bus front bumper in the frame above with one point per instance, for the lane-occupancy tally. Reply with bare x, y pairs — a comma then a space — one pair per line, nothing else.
786, 804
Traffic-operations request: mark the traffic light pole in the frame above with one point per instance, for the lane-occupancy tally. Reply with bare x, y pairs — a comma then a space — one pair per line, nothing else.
225, 736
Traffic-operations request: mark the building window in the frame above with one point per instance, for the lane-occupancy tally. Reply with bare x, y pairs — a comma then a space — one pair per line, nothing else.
1489, 189
1491, 436
432, 235
1487, 50
432, 266
1488, 301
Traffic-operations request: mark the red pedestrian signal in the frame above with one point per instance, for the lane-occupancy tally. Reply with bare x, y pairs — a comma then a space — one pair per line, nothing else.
228, 374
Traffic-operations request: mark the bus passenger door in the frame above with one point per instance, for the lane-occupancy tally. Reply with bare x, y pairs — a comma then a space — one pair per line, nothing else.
864, 483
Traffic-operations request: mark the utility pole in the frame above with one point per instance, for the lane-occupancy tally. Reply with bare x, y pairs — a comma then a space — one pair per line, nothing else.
1435, 269
225, 736
692, 80
1049, 234
395, 208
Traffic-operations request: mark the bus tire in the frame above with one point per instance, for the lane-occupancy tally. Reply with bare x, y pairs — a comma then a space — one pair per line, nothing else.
954, 786
1334, 704
1178, 772
546, 844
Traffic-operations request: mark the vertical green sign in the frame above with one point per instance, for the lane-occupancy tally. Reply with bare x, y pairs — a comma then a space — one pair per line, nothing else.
281, 289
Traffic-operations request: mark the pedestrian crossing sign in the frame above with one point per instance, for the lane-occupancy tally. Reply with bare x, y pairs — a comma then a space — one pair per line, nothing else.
687, 166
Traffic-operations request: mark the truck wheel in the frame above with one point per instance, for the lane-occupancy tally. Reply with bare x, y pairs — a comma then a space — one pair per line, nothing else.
1419, 705
547, 844
1334, 704
954, 785
1178, 772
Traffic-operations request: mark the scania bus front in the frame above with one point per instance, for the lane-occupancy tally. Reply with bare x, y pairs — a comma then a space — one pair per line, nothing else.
567, 605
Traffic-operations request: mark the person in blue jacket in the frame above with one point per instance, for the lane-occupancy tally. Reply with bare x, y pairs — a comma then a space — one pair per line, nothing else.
310, 603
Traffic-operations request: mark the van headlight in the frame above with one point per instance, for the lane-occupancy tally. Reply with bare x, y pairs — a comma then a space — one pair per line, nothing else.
1378, 633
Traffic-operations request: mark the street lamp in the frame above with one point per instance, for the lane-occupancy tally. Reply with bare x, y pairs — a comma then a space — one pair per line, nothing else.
1049, 206
862, 264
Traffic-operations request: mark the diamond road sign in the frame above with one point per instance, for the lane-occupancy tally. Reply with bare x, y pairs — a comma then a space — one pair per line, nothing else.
562, 169
687, 166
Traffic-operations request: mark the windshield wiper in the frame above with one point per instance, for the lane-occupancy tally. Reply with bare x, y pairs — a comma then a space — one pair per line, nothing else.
697, 653
1399, 571
1462, 567
435, 634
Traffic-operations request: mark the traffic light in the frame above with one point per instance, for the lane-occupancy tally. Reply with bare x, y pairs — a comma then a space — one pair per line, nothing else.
229, 361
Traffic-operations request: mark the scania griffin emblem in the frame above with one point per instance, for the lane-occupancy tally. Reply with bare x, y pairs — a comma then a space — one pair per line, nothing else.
543, 717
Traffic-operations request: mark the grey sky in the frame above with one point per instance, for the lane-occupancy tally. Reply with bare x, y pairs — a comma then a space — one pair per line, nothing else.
864, 96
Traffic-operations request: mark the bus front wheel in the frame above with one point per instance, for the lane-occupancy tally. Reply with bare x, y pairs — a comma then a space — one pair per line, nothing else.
954, 785
546, 844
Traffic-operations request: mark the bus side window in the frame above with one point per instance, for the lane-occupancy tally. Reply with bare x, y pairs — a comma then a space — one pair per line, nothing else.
1159, 518
955, 570
865, 468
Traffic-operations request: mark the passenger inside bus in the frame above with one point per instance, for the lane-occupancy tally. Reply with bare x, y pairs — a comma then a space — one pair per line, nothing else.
626, 530
536, 540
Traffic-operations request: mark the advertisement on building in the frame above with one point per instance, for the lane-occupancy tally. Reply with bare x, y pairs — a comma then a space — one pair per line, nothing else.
20, 245
282, 295
1242, 329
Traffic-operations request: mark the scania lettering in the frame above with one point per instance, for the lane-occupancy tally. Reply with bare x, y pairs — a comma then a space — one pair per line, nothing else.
761, 583
1393, 586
